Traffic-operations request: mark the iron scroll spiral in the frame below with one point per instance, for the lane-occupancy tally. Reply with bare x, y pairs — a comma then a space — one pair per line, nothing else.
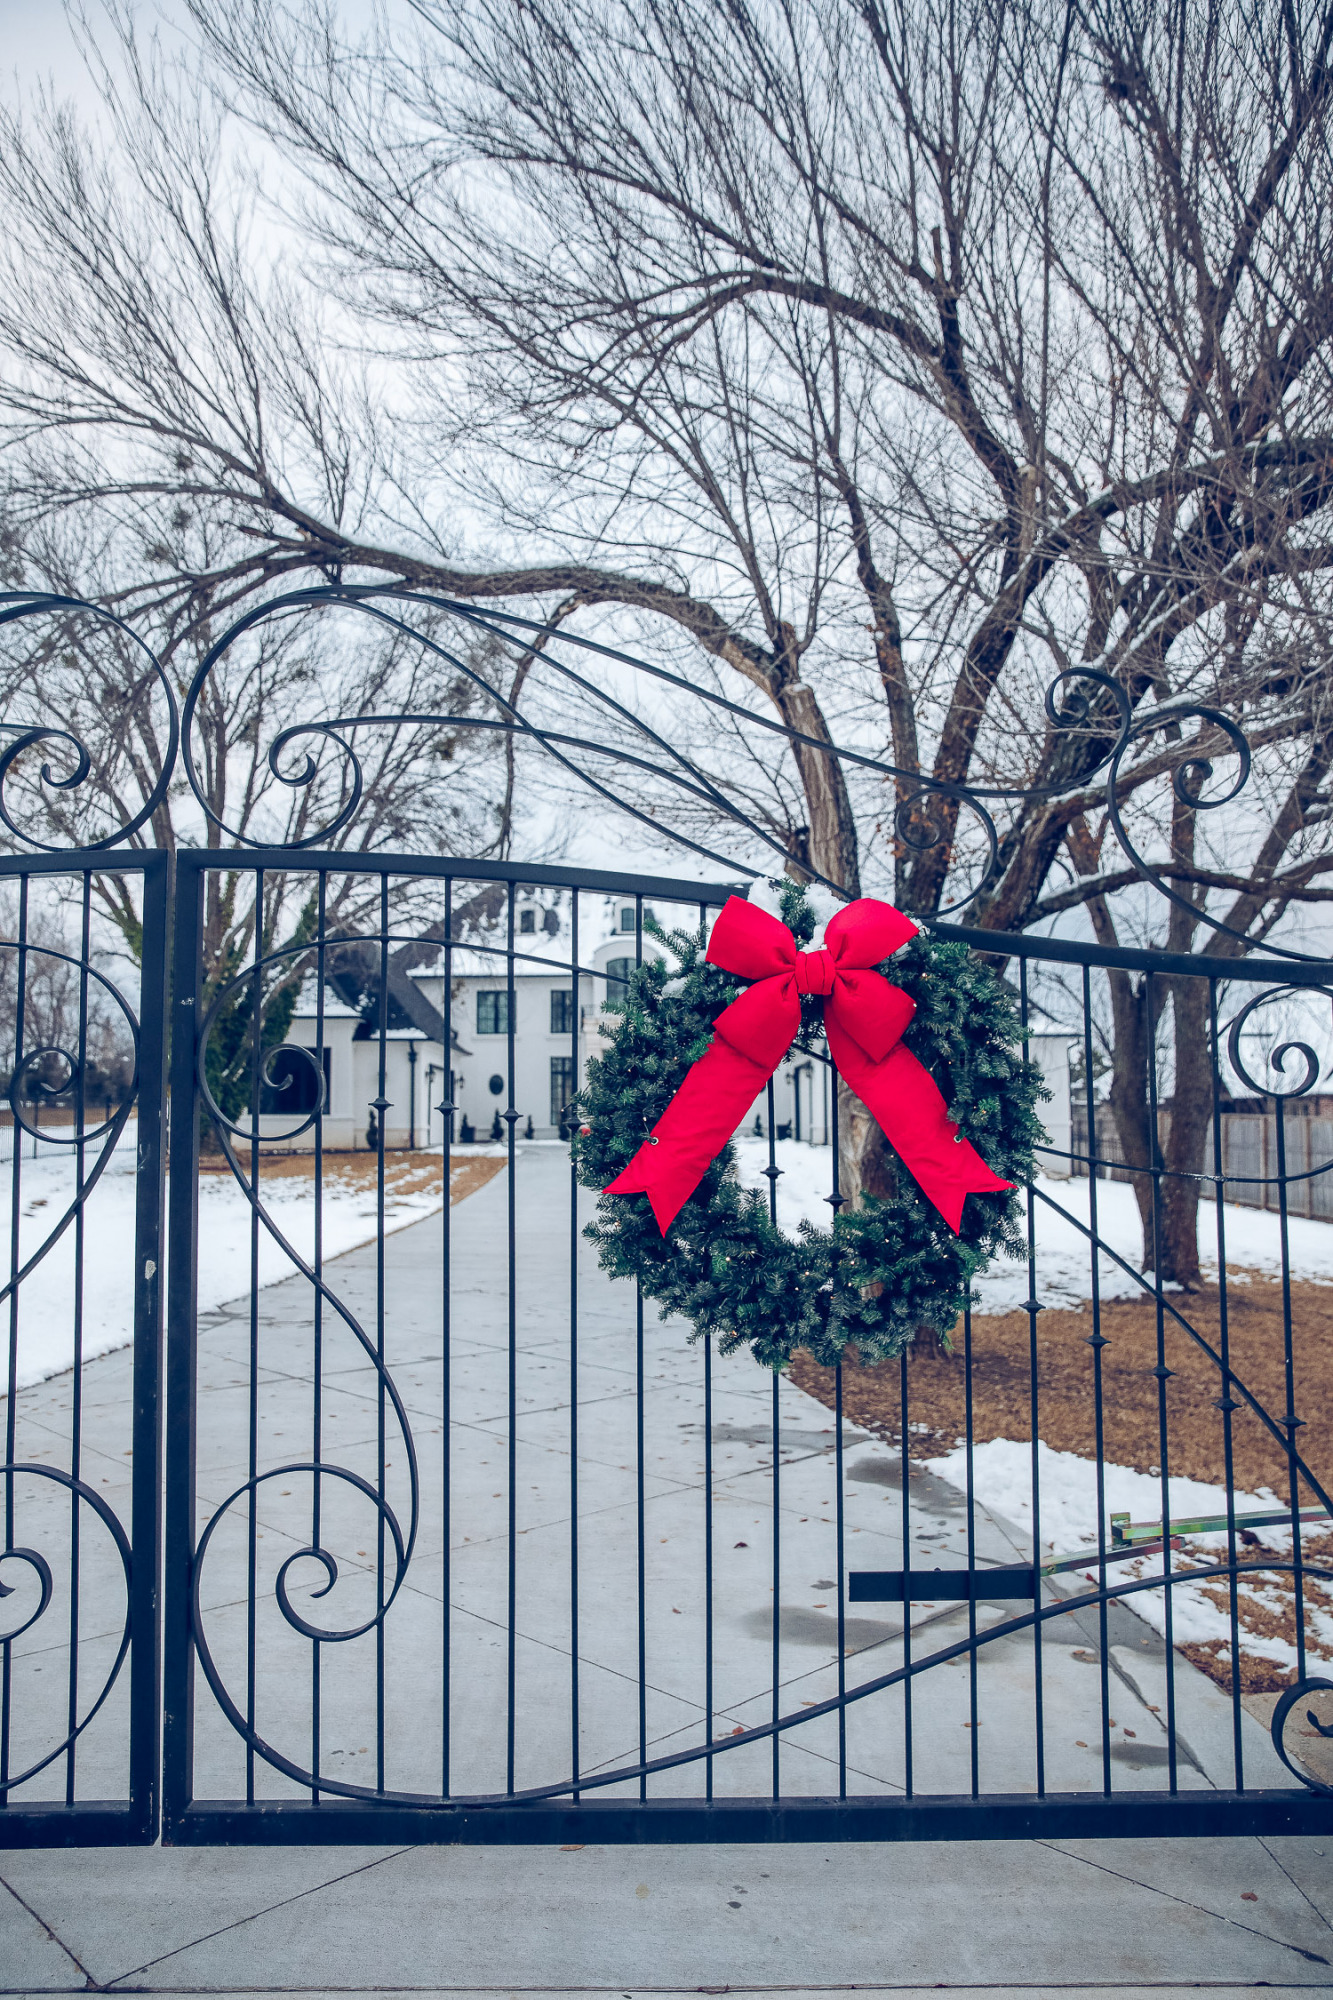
1294, 1705
1080, 697
402, 1538
105, 1133
1278, 1056
38, 1566
80, 762
925, 809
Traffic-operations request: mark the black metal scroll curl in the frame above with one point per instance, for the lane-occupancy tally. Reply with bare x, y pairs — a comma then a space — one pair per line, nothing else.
1295, 1699
924, 811
1278, 1057
920, 824
41, 1569
298, 780
403, 1541
105, 1133
17, 606
1188, 779
27, 1080
402, 1556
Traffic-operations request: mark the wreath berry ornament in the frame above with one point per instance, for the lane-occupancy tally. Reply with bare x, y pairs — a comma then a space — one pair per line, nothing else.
931, 1042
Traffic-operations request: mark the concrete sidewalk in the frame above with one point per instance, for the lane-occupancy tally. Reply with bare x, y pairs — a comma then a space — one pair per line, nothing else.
445, 1685
1118, 1916
1081, 1916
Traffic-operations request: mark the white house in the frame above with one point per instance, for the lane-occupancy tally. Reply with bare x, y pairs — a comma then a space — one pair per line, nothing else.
1050, 1051
559, 1022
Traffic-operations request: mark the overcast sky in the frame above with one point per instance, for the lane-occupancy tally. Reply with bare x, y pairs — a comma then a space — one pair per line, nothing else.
37, 42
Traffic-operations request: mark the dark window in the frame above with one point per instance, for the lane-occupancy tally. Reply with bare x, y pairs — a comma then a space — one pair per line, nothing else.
527, 921
562, 1010
493, 1013
496, 1086
562, 1088
627, 918
618, 971
292, 1082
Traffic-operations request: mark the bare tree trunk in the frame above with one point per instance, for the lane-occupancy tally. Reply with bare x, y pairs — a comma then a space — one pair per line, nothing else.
865, 1165
1171, 1234
1186, 1137
1132, 1050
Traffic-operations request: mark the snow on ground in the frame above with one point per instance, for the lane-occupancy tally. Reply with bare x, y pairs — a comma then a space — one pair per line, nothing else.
46, 1297
1064, 1258
1067, 1489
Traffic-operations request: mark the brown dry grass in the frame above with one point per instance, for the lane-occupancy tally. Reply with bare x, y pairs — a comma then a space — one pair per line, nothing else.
1001, 1398
404, 1173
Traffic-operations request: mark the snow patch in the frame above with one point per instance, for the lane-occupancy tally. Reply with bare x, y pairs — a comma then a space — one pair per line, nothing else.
1067, 1498
46, 1297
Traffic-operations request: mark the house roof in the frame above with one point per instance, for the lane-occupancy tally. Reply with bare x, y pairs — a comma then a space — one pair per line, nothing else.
335, 1009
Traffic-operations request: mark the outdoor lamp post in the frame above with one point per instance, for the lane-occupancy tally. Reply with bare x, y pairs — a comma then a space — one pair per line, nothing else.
412, 1097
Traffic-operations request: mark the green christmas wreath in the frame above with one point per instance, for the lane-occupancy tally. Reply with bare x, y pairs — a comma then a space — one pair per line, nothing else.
888, 1266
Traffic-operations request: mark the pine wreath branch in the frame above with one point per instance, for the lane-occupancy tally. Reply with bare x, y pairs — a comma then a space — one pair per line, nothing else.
888, 1268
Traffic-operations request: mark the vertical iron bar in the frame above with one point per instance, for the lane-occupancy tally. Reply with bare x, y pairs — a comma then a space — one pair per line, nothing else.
1162, 1372
708, 1502
15, 1260
777, 1470
1226, 1402
252, 1440
446, 1351
381, 1275
638, 1458
839, 1545
149, 1198
1033, 1308
76, 1384
1097, 1341
839, 1511
968, 1442
571, 1120
182, 1347
1291, 1423
511, 1644
906, 1532
317, 1369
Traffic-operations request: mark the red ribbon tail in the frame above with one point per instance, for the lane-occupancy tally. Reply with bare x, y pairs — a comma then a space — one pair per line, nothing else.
902, 1096
717, 1092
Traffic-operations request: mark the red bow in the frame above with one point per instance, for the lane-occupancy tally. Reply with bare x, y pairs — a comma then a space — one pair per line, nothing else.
864, 1020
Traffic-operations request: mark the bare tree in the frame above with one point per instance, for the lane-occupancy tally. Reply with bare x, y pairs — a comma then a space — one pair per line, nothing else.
901, 359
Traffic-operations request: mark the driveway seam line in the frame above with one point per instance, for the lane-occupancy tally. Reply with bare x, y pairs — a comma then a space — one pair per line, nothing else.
283, 1903
52, 1934
1313, 1957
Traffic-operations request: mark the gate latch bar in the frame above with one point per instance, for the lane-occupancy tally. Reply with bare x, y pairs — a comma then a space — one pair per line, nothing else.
896, 1586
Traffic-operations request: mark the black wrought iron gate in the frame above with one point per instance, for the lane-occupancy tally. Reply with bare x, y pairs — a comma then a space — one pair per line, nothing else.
84, 1148
461, 1543
458, 1540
